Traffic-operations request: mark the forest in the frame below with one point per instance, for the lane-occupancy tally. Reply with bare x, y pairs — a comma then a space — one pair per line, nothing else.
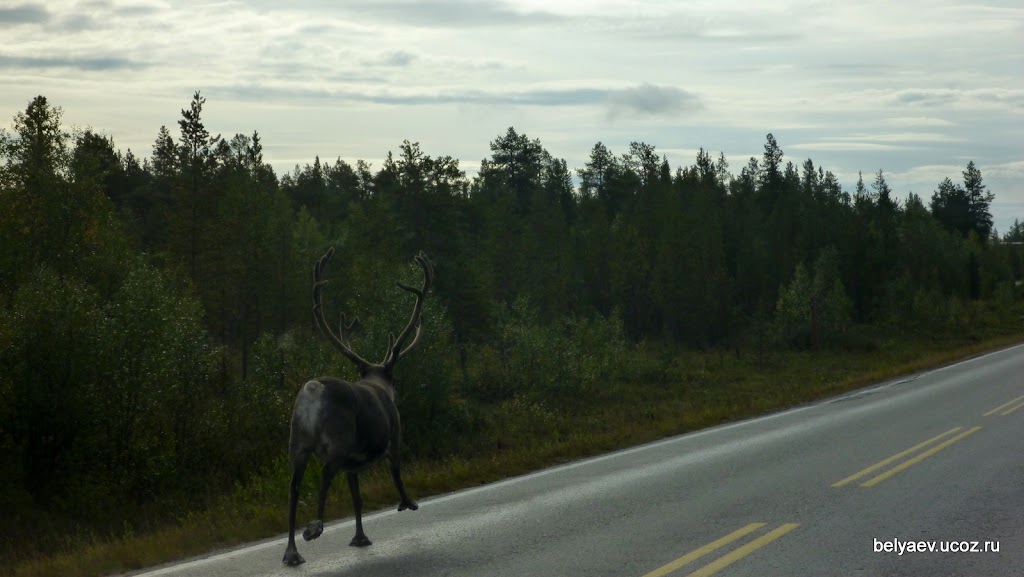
155, 311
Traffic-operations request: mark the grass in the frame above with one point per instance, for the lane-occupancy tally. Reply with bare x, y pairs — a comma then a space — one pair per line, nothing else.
672, 394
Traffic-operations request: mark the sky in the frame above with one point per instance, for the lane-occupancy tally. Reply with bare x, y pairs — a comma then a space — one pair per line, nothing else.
916, 88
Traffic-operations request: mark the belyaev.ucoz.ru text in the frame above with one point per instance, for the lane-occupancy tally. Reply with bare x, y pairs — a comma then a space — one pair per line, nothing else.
899, 546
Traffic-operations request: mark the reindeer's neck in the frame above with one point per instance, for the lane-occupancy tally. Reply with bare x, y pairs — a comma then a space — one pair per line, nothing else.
380, 381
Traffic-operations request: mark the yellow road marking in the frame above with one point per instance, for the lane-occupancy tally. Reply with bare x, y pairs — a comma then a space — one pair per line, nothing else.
1004, 405
918, 458
726, 560
697, 554
899, 455
1010, 410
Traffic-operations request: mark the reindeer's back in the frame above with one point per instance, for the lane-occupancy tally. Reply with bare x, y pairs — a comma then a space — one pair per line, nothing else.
342, 422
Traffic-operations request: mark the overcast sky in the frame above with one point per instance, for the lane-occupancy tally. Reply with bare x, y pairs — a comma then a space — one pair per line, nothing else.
914, 87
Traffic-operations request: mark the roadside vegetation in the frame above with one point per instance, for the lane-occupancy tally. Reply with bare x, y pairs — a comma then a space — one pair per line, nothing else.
155, 316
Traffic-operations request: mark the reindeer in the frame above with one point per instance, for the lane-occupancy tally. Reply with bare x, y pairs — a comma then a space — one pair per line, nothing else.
349, 426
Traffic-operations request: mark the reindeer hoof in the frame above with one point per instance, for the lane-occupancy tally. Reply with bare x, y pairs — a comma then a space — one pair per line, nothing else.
360, 541
313, 530
292, 558
410, 504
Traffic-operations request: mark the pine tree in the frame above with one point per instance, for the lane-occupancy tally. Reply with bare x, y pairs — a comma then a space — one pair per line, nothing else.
978, 201
196, 159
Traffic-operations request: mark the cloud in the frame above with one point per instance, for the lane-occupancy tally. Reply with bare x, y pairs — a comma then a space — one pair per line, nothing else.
1003, 171
79, 23
536, 97
721, 35
540, 97
901, 137
925, 96
453, 13
651, 100
877, 142
399, 58
641, 100
1001, 96
932, 173
674, 23
944, 96
133, 10
23, 14
548, 97
86, 63
915, 121
1011, 170
845, 146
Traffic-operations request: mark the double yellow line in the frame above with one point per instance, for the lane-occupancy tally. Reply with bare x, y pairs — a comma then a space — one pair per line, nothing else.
1007, 408
909, 462
1004, 409
948, 438
729, 558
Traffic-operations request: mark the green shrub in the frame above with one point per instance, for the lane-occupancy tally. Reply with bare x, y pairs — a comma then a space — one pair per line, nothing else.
556, 360
807, 304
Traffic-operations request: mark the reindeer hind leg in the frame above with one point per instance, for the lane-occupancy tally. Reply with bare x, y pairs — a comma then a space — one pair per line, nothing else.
299, 461
396, 475
360, 539
316, 527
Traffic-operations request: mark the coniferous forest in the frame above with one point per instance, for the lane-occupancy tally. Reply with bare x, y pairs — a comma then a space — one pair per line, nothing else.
155, 310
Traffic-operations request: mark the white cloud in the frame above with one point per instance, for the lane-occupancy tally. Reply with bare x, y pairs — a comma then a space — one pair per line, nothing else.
931, 173
1014, 170
450, 13
924, 137
917, 121
844, 146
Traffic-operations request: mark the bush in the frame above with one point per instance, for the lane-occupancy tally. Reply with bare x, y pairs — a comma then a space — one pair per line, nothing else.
819, 303
154, 393
555, 361
50, 378
106, 398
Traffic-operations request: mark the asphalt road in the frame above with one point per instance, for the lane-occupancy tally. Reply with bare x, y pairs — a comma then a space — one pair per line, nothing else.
936, 460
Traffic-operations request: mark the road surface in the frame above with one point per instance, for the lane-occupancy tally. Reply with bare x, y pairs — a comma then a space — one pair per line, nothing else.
849, 486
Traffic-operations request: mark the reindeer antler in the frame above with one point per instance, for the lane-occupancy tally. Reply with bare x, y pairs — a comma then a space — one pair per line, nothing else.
416, 320
341, 343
